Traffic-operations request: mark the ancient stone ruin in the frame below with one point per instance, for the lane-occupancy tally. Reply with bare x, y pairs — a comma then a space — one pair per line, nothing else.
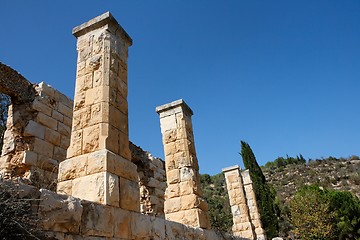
107, 187
246, 217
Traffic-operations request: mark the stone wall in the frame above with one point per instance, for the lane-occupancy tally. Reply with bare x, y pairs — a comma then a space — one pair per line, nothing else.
151, 181
66, 217
37, 136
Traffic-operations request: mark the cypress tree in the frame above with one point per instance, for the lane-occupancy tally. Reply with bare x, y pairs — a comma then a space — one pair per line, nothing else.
265, 195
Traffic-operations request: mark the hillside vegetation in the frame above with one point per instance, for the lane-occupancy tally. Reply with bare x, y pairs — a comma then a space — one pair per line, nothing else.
337, 174
290, 176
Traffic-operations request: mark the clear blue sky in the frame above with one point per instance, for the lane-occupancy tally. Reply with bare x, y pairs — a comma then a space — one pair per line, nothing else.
282, 75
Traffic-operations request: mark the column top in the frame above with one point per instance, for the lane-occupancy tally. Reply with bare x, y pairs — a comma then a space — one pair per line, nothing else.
97, 22
172, 105
228, 169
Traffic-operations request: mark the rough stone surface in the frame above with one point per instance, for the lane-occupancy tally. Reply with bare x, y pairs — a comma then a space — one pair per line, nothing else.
97, 220
183, 193
32, 144
99, 153
152, 186
59, 213
246, 217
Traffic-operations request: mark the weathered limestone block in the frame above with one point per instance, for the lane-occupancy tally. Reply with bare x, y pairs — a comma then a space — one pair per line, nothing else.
52, 137
174, 230
96, 162
158, 228
42, 147
140, 226
59, 154
122, 221
246, 177
47, 120
183, 179
73, 168
34, 129
173, 176
97, 220
104, 188
91, 167
193, 201
65, 187
129, 195
193, 217
172, 191
59, 213
195, 233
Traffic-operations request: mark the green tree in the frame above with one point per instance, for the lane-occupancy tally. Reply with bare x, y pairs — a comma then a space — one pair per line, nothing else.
214, 192
346, 207
319, 213
310, 214
265, 195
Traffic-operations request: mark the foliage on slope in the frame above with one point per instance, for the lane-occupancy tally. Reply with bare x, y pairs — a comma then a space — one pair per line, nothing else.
332, 173
335, 174
319, 213
215, 193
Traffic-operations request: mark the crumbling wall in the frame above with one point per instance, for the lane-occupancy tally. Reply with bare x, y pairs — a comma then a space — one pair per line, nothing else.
37, 135
152, 181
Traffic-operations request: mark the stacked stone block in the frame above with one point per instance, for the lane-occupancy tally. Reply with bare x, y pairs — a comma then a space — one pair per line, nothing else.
66, 218
98, 166
183, 200
152, 181
37, 136
246, 217
252, 205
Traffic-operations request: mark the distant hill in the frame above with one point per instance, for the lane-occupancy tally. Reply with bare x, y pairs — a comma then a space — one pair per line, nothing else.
286, 175
332, 173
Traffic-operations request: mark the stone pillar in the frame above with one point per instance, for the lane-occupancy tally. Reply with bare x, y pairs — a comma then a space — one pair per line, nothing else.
242, 226
183, 202
252, 205
98, 166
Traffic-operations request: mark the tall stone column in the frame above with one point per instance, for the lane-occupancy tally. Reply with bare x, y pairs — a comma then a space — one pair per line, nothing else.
252, 205
98, 166
242, 226
184, 202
